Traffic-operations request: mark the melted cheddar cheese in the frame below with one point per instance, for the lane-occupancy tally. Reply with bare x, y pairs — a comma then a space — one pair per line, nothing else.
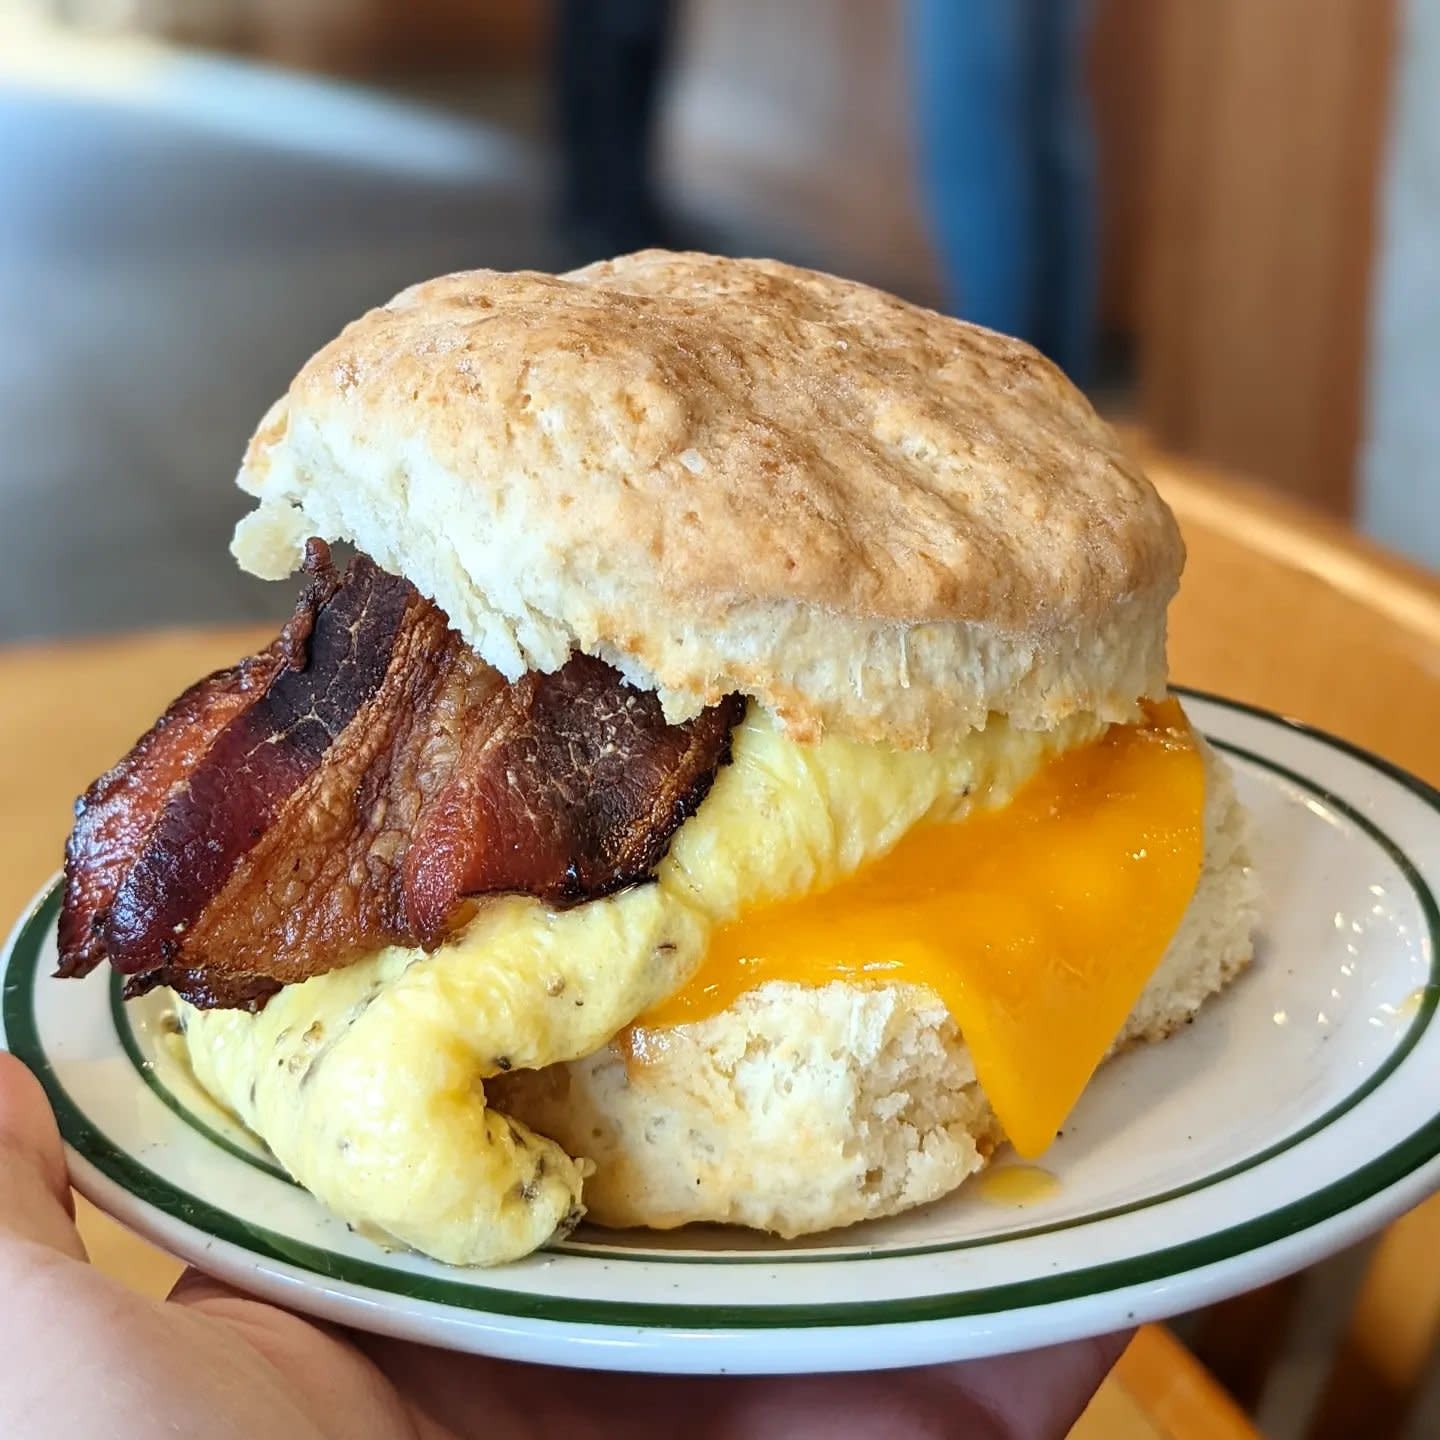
1037, 923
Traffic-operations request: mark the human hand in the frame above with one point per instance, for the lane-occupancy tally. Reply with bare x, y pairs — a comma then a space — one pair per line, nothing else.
82, 1355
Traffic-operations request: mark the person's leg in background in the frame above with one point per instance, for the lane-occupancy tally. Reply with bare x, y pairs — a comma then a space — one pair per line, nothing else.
970, 69
610, 58
1069, 223
1005, 164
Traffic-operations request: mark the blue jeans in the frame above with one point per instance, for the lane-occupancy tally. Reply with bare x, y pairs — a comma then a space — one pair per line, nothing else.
1007, 166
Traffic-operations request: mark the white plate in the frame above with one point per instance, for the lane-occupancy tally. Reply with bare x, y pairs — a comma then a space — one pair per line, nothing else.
1298, 1114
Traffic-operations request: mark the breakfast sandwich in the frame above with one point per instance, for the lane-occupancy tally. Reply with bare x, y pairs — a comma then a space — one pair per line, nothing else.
734, 780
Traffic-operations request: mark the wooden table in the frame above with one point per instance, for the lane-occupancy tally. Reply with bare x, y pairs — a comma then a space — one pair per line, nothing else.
1278, 608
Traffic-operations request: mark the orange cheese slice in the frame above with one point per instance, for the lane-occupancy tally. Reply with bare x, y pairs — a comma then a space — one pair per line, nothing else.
1037, 923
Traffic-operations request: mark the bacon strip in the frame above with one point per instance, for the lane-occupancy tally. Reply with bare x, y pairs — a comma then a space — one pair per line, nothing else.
353, 786
571, 788
322, 885
115, 815
253, 767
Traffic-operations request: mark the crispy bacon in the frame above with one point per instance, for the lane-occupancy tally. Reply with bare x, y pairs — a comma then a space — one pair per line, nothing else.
322, 884
114, 816
252, 769
352, 786
570, 788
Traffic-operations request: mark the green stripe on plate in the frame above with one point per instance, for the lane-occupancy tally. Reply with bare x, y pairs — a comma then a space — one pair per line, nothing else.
145, 1069
1402, 1160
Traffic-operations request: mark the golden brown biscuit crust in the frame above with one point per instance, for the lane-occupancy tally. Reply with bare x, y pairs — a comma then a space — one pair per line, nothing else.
733, 474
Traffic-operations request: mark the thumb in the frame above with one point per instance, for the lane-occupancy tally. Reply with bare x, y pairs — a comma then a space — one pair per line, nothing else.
35, 1201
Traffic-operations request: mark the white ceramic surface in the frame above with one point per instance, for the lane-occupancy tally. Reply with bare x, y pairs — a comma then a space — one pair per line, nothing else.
1297, 1114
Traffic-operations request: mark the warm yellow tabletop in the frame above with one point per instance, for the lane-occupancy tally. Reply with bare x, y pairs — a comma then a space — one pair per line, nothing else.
1277, 607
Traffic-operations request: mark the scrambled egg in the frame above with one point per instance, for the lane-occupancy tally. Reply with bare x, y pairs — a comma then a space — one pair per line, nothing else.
368, 1083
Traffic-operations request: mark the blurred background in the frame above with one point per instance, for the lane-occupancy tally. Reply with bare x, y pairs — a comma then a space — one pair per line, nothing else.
1221, 217
1218, 217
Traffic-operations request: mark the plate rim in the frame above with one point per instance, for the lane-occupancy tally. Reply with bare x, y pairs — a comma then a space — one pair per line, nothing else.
1344, 1194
